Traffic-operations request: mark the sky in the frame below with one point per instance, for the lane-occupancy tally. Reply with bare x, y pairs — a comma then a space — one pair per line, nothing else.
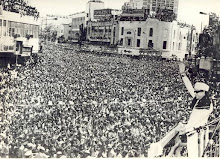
66, 7
188, 9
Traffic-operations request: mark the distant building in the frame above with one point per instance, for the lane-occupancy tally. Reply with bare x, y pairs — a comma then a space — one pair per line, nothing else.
104, 28
81, 19
91, 6
77, 19
55, 20
169, 37
64, 30
152, 5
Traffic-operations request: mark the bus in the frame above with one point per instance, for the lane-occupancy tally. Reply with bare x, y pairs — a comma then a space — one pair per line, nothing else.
19, 37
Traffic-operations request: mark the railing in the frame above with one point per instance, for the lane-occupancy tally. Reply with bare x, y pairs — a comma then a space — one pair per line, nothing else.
175, 142
213, 147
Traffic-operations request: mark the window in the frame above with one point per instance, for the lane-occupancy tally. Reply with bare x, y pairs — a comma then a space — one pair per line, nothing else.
150, 44
179, 47
151, 32
114, 31
121, 41
129, 42
174, 32
173, 45
164, 44
138, 42
139, 32
12, 31
122, 30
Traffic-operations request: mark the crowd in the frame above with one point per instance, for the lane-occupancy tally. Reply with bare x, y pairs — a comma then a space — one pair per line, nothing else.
19, 6
166, 15
76, 104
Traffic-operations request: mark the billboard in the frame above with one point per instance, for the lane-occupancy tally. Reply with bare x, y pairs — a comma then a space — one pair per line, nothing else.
134, 14
26, 51
102, 14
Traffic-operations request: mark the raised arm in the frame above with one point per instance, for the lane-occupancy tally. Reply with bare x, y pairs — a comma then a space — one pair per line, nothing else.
186, 80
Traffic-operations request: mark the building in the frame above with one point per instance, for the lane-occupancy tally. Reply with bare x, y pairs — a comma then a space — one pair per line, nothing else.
54, 20
104, 28
64, 31
152, 5
172, 38
91, 6
77, 20
51, 26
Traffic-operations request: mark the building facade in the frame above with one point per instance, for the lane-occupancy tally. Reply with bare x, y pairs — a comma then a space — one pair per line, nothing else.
64, 30
104, 28
168, 37
91, 6
77, 20
154, 4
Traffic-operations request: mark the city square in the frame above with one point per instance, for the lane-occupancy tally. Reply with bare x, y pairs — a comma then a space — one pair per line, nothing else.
110, 83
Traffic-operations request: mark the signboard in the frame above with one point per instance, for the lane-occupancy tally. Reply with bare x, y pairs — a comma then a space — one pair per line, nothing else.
26, 51
205, 64
134, 14
8, 48
102, 14
7, 44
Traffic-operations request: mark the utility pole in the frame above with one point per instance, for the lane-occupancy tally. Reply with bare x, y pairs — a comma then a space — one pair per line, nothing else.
191, 39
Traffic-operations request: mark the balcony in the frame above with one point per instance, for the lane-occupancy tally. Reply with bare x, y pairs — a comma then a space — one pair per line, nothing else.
175, 142
100, 39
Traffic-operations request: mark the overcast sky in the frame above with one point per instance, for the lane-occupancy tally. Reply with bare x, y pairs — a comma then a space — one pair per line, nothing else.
188, 9
66, 7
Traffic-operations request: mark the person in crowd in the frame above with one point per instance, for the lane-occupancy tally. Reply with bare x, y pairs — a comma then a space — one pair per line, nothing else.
19, 6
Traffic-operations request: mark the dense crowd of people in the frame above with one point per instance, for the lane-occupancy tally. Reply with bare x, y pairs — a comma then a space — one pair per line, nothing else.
19, 6
166, 15
78, 104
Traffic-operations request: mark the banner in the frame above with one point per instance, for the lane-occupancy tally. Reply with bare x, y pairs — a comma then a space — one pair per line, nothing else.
205, 64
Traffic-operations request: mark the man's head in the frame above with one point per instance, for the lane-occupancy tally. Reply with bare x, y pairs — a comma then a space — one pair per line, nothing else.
200, 89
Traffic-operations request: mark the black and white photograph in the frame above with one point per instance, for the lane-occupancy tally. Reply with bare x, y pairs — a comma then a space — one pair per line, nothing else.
109, 78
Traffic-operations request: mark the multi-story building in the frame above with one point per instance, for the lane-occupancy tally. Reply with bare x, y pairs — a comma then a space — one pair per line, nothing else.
81, 19
91, 6
154, 4
169, 37
104, 28
77, 19
64, 30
